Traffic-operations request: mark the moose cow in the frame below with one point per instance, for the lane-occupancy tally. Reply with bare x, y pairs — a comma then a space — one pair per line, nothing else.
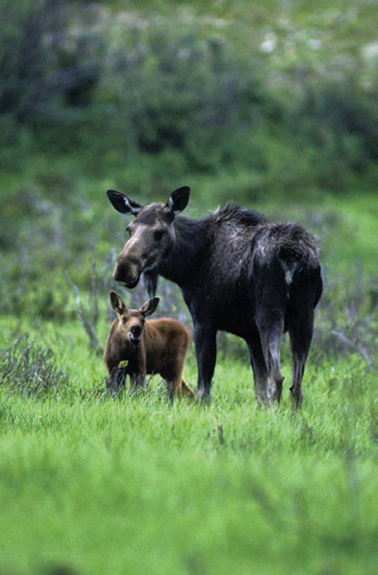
238, 273
154, 346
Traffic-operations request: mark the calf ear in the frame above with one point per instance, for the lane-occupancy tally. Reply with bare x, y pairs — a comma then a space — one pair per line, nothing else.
117, 303
178, 200
123, 204
149, 307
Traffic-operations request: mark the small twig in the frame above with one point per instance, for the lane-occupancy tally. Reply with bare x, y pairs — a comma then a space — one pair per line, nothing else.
351, 344
88, 324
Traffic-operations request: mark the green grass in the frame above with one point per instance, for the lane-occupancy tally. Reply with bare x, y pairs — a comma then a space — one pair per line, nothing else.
92, 484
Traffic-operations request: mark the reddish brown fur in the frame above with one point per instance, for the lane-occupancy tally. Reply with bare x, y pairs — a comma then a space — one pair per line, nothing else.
153, 346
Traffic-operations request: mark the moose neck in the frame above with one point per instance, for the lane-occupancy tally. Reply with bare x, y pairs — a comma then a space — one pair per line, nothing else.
191, 239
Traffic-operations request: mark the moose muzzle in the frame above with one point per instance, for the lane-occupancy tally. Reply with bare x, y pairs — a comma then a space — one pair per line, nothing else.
127, 269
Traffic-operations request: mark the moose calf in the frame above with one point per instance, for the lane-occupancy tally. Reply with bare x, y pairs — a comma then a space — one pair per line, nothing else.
149, 347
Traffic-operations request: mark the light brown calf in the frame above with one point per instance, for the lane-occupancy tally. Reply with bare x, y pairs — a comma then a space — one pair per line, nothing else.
149, 347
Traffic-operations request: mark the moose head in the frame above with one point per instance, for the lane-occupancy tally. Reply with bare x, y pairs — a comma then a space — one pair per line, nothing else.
151, 236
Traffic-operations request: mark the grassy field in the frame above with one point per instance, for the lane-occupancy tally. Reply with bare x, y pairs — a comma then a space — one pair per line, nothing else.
91, 484
272, 105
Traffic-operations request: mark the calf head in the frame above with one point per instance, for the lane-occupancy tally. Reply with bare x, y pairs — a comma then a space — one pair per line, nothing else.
151, 236
131, 321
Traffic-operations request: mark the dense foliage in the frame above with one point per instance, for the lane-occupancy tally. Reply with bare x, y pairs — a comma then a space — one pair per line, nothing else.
286, 91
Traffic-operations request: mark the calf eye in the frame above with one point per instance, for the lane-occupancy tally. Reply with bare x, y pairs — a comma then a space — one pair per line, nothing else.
158, 235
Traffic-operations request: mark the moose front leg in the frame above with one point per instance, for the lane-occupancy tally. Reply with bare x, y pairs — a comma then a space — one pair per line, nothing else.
206, 351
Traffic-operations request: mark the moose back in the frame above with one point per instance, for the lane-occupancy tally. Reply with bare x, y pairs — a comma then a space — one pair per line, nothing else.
238, 273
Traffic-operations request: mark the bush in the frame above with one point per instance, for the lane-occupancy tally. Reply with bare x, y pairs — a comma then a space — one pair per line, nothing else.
47, 69
193, 93
26, 368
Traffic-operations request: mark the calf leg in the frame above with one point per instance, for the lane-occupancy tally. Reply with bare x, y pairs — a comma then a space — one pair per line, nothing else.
136, 381
174, 385
172, 374
116, 379
186, 389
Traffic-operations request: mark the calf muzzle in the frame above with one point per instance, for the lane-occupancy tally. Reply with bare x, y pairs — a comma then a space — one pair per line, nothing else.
135, 334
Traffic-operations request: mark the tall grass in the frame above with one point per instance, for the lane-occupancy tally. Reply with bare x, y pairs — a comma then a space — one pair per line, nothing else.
95, 484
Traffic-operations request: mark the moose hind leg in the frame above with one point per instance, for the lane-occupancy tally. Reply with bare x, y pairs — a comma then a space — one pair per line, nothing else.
271, 329
260, 374
300, 332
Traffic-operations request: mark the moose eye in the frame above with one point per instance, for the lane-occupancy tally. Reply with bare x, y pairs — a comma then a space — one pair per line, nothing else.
158, 235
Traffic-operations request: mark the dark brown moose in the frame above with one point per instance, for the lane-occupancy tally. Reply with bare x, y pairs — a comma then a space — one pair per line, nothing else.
153, 346
238, 273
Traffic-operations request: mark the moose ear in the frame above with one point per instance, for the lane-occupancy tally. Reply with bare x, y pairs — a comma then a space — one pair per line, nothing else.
178, 200
149, 307
117, 303
123, 204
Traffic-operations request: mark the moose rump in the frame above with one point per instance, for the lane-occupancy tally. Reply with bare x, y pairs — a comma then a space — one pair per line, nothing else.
238, 273
285, 286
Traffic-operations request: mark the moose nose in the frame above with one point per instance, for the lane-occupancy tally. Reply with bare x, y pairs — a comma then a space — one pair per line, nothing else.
119, 273
136, 330
126, 273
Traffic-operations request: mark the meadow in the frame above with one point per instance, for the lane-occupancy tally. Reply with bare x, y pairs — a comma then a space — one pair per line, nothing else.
92, 483
272, 105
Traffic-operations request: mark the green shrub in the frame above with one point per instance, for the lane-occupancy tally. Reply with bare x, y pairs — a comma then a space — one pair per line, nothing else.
192, 92
27, 368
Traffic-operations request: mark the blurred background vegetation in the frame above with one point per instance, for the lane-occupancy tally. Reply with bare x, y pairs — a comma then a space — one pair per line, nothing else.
282, 89
272, 104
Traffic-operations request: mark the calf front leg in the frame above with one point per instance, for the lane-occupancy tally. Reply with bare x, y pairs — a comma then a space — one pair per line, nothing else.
206, 351
137, 369
116, 379
137, 380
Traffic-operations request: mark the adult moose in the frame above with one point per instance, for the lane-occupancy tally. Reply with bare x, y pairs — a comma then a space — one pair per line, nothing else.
238, 273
